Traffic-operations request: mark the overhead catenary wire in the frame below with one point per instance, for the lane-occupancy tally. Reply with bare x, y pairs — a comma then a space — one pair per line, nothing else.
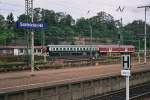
10, 4
9, 7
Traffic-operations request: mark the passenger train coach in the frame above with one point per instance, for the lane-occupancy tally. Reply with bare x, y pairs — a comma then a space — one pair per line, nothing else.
86, 50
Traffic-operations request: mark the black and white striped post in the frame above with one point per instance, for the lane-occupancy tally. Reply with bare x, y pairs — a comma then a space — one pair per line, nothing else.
126, 63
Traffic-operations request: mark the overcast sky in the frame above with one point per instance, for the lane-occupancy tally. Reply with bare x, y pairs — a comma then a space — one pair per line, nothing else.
79, 8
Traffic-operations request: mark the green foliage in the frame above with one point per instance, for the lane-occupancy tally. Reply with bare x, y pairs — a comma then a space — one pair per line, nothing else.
62, 27
136, 31
2, 21
82, 27
136, 27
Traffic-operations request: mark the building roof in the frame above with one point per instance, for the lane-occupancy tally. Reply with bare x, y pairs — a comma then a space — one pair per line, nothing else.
19, 47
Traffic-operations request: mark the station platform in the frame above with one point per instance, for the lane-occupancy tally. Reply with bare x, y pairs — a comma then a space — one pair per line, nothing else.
27, 79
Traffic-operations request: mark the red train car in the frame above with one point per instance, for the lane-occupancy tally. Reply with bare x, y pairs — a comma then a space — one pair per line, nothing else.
115, 49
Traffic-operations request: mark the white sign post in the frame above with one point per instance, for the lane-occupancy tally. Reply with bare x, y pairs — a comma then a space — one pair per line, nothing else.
126, 72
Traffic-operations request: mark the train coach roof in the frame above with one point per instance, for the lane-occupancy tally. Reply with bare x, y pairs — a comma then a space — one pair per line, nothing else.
98, 46
71, 45
115, 46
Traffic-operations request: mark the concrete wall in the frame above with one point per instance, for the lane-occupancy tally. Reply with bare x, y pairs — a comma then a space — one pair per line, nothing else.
78, 90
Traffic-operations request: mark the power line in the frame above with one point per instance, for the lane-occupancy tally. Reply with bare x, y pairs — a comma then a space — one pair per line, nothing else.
7, 10
2, 3
10, 4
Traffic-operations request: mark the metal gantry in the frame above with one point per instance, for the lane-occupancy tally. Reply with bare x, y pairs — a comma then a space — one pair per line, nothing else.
29, 13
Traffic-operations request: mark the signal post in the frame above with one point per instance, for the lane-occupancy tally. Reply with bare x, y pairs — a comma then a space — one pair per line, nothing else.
126, 71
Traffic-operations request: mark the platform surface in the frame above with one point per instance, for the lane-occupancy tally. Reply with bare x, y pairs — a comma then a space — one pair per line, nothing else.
25, 79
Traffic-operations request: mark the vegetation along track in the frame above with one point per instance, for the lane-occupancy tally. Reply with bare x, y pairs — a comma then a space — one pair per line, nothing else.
135, 92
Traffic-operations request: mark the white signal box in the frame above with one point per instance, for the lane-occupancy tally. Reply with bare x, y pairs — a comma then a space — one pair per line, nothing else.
126, 61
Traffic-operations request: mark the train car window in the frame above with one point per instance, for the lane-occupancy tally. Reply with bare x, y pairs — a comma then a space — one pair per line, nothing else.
21, 50
64, 49
57, 49
71, 49
67, 49
34, 50
39, 50
60, 49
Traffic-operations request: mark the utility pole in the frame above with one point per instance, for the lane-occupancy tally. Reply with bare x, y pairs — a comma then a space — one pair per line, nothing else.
27, 31
29, 12
91, 31
91, 35
145, 34
43, 44
43, 40
139, 58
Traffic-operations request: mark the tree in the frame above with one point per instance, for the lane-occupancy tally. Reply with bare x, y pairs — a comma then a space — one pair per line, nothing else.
2, 21
62, 27
49, 16
67, 21
37, 15
136, 28
10, 21
104, 23
24, 18
82, 26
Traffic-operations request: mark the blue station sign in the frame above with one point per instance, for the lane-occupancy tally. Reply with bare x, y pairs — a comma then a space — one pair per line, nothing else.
29, 25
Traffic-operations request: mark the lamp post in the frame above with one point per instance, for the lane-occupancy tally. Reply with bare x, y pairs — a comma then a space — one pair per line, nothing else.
145, 33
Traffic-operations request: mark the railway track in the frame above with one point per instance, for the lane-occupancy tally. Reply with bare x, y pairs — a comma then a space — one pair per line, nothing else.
18, 66
135, 92
58, 63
